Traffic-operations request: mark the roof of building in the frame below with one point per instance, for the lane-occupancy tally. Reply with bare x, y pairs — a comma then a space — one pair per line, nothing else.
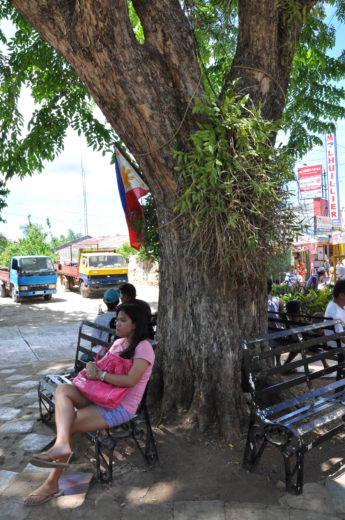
101, 243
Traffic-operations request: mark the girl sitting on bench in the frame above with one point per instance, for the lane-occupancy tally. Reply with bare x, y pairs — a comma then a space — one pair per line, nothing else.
131, 328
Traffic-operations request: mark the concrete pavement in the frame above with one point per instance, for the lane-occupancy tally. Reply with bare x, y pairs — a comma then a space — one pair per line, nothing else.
27, 344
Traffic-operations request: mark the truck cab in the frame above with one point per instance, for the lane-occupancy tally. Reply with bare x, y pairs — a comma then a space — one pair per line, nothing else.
32, 276
99, 270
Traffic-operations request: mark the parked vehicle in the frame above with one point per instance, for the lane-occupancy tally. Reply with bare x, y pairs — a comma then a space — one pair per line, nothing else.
94, 272
28, 276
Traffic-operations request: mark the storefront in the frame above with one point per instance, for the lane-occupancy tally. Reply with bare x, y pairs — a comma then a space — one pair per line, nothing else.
314, 251
338, 240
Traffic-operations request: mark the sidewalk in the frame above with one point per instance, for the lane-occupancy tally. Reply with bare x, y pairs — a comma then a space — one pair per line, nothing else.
137, 492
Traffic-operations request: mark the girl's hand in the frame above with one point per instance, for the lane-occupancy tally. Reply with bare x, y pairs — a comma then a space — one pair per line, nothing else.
92, 371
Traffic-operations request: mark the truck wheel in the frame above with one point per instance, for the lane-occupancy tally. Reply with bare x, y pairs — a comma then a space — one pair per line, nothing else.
2, 291
84, 291
47, 296
65, 284
14, 295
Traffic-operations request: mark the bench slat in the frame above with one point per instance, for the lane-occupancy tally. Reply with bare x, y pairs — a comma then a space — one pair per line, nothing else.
270, 410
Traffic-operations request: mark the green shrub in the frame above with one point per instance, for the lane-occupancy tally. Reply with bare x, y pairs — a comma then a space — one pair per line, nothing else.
311, 301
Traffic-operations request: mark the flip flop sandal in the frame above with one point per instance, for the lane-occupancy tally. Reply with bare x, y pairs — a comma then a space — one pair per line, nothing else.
45, 497
50, 462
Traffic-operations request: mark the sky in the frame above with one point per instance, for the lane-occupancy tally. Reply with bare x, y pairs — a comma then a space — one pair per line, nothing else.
57, 193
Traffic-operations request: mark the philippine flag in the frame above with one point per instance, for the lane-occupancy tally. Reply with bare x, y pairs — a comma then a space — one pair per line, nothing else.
131, 188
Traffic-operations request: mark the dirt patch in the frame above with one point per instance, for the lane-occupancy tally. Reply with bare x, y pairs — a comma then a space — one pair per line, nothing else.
201, 467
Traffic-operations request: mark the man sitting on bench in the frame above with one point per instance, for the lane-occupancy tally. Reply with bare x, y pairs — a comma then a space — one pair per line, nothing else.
107, 319
128, 294
336, 309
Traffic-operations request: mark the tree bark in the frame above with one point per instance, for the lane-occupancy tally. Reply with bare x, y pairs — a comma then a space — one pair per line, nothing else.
147, 93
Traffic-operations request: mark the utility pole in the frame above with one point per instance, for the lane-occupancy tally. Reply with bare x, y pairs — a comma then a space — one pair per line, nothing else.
86, 226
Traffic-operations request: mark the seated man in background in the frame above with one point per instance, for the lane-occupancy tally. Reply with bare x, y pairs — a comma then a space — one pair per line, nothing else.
128, 295
274, 306
336, 310
274, 303
111, 298
293, 310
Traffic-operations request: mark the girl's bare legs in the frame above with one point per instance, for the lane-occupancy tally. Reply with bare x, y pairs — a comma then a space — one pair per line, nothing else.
68, 422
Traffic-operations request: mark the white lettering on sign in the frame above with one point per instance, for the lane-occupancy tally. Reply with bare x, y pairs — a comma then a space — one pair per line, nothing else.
333, 189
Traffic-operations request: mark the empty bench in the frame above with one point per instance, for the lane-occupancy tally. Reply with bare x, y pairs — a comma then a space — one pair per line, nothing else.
104, 441
292, 411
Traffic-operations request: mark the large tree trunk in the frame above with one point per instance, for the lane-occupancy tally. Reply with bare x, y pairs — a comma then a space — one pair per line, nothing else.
202, 318
147, 92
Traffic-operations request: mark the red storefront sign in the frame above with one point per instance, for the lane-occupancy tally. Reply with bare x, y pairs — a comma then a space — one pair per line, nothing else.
310, 181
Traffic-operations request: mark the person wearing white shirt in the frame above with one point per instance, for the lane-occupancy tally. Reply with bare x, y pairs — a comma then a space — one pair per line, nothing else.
336, 310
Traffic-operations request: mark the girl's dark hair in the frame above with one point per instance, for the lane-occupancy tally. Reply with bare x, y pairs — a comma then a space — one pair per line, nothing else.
138, 317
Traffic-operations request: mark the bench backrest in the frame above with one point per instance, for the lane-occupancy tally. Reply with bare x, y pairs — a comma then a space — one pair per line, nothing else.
86, 341
266, 380
281, 320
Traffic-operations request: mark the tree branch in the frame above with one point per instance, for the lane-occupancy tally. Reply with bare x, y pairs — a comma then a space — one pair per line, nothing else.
267, 40
172, 37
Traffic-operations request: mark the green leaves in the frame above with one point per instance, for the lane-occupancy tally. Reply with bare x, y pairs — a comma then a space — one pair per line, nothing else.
61, 100
234, 182
33, 243
311, 301
315, 100
215, 30
136, 24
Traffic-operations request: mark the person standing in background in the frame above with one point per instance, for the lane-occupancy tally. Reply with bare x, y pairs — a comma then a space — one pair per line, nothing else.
301, 272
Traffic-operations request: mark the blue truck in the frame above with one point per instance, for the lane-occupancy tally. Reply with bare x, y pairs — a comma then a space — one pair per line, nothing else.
28, 276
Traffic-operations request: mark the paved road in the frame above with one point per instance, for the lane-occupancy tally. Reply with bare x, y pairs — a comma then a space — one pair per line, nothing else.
37, 330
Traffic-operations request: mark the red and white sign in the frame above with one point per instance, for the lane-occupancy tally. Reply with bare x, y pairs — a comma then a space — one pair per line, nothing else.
333, 187
323, 223
310, 182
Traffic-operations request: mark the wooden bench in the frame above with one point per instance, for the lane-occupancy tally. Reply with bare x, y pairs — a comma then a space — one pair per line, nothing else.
104, 441
293, 411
